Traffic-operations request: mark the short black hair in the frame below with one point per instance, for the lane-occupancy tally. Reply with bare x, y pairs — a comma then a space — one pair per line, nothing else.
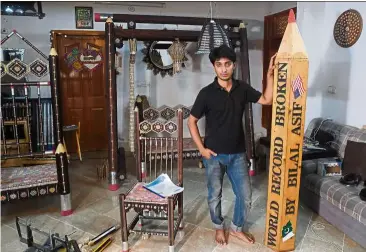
222, 51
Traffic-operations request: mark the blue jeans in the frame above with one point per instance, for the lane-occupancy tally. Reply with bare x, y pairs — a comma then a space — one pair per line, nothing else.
236, 167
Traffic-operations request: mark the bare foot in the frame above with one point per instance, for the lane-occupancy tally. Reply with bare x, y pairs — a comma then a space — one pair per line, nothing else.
243, 236
220, 237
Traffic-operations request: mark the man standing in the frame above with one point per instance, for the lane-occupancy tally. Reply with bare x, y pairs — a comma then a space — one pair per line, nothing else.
222, 103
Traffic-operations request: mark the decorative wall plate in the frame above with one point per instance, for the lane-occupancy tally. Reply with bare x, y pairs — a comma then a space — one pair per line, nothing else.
151, 114
165, 112
38, 68
17, 69
347, 29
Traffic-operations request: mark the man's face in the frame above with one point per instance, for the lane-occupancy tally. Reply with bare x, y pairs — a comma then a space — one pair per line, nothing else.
224, 68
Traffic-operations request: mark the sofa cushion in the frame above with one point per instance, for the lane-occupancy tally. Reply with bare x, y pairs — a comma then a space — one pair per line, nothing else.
340, 132
355, 159
358, 135
346, 198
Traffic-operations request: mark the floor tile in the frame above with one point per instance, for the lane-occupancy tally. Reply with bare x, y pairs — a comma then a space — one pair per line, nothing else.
351, 245
10, 241
96, 209
311, 244
321, 230
201, 239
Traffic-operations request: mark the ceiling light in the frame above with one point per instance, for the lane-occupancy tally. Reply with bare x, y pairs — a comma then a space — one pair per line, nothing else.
212, 35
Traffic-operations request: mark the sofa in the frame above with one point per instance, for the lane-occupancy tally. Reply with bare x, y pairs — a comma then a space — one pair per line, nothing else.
337, 203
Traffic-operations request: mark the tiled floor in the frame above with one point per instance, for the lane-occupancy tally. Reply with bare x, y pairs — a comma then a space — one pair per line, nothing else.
96, 208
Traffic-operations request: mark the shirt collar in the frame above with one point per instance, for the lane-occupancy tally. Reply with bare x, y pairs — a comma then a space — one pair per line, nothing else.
217, 85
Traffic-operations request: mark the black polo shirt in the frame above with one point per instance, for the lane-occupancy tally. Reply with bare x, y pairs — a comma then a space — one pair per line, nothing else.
224, 111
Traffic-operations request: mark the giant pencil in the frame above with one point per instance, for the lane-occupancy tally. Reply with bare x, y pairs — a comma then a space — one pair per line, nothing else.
111, 89
288, 116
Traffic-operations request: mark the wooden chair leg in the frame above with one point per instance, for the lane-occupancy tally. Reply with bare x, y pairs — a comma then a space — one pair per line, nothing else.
180, 210
78, 143
171, 224
141, 219
124, 232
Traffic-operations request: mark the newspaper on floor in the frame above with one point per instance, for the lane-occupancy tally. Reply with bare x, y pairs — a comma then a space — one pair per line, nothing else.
163, 186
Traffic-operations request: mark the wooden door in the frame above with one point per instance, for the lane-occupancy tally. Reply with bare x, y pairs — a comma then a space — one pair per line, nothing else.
82, 81
274, 28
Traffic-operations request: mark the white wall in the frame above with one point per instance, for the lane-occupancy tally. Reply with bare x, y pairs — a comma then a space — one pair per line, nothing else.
60, 15
276, 7
330, 64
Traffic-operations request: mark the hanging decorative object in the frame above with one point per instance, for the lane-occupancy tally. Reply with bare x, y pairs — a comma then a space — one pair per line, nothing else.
17, 69
133, 49
177, 53
38, 68
72, 59
212, 35
91, 58
347, 29
155, 60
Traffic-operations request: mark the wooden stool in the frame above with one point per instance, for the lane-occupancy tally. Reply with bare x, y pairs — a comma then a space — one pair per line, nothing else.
75, 128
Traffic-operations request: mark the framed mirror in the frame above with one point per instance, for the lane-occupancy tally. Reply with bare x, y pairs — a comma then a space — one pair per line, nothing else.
157, 58
8, 54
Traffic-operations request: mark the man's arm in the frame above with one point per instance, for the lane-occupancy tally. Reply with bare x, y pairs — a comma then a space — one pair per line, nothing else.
197, 112
267, 97
194, 131
199, 108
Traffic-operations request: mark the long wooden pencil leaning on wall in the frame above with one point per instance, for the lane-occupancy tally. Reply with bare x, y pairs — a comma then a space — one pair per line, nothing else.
62, 164
111, 88
288, 116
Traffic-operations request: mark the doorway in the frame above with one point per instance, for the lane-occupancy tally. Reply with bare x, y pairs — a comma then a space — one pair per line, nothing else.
274, 28
82, 87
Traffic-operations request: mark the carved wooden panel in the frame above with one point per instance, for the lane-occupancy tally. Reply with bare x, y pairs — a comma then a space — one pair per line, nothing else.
281, 24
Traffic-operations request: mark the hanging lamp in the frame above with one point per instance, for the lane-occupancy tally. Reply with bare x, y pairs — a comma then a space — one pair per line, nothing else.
212, 35
177, 53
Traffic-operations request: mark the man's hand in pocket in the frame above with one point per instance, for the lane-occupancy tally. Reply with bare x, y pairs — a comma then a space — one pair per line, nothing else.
206, 153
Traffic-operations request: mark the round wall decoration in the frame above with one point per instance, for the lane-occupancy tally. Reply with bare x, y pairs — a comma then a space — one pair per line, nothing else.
347, 29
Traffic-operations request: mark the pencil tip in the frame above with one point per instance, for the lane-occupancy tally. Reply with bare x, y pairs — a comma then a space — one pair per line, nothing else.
291, 17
